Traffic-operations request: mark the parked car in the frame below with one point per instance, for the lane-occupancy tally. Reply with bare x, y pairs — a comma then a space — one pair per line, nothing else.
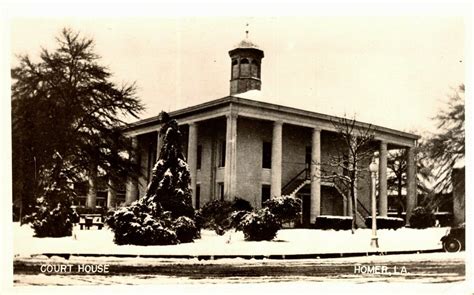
455, 239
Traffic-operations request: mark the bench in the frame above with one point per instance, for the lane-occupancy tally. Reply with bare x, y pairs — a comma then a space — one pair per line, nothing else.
88, 220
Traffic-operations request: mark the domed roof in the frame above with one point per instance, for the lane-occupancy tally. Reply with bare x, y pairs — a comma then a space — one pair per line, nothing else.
246, 43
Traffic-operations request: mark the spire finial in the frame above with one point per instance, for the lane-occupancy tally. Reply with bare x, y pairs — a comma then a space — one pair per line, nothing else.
247, 31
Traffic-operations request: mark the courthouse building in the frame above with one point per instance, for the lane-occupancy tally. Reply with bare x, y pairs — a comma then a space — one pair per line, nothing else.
239, 147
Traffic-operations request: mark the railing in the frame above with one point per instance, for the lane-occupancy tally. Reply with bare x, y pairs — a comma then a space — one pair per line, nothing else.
359, 203
305, 171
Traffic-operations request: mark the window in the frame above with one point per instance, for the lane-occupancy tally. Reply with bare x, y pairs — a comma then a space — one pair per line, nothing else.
222, 153
199, 157
244, 68
254, 69
235, 69
198, 196
266, 189
220, 191
267, 155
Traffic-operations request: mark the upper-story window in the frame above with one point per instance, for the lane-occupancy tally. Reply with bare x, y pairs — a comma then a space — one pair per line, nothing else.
199, 157
235, 68
244, 68
267, 155
221, 153
254, 69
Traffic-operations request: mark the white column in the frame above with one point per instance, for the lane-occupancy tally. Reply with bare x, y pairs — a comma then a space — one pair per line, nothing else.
230, 157
111, 194
192, 158
131, 192
411, 184
92, 192
277, 151
383, 203
315, 175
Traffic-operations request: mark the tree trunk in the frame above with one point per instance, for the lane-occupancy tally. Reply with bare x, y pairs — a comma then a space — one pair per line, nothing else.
354, 200
400, 200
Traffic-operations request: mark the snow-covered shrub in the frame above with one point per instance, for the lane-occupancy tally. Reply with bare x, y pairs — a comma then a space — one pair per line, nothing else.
215, 215
422, 218
241, 205
53, 216
385, 222
285, 208
261, 225
218, 215
142, 223
236, 218
185, 229
333, 222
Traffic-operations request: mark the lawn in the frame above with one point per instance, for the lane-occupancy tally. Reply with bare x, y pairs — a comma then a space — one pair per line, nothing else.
287, 242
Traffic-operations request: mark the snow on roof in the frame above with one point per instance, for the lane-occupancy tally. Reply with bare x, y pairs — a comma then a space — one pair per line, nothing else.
246, 43
251, 94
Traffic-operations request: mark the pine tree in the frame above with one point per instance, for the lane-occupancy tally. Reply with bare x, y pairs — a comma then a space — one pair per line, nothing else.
53, 216
164, 215
170, 183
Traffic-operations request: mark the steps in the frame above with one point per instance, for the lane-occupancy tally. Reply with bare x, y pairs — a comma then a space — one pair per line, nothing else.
294, 187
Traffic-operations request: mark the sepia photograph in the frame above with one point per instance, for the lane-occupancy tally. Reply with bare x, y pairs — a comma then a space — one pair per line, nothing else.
238, 150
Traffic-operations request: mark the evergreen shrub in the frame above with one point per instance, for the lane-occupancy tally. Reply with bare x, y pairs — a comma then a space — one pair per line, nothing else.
142, 224
53, 216
241, 205
260, 225
422, 218
385, 222
215, 214
185, 229
285, 208
333, 222
221, 216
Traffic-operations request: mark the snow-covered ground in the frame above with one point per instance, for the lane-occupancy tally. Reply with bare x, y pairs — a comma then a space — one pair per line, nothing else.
287, 242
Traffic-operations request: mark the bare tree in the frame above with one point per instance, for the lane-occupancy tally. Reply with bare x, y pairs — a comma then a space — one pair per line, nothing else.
354, 148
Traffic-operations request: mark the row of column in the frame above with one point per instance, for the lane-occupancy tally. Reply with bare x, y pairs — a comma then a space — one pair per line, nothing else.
411, 199
276, 172
230, 176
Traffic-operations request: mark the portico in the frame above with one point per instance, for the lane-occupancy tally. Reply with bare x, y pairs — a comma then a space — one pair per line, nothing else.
243, 127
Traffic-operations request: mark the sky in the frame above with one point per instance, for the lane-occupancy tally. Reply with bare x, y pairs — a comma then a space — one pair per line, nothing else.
394, 71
